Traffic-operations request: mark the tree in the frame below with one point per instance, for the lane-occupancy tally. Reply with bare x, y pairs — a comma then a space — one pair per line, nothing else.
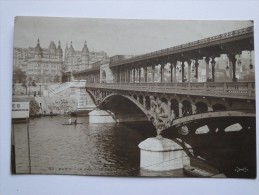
56, 79
33, 83
34, 107
24, 84
18, 75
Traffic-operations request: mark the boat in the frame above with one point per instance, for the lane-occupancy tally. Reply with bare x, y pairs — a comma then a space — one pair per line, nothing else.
71, 123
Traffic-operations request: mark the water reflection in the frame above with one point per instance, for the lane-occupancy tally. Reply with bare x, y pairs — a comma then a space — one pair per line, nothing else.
85, 149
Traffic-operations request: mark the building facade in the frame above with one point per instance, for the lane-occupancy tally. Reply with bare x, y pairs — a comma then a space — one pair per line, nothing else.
43, 65
77, 60
20, 58
46, 65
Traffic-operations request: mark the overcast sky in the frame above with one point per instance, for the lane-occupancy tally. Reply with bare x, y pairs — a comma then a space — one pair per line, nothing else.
129, 37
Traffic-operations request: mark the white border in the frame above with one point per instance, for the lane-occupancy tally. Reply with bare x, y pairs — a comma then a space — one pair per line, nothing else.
81, 185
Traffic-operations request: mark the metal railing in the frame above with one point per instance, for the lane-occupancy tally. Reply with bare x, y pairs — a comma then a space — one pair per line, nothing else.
217, 89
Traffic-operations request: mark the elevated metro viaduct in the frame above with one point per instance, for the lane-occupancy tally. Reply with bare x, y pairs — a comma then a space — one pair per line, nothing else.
131, 95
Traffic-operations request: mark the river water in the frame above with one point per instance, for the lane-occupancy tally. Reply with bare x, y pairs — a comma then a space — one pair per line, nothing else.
84, 149
110, 149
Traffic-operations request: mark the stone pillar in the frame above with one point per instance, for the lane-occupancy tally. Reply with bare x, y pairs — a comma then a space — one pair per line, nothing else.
180, 109
183, 71
153, 73
162, 72
162, 154
125, 74
207, 60
119, 75
196, 69
213, 62
175, 80
129, 75
189, 62
171, 71
134, 76
139, 74
232, 66
145, 74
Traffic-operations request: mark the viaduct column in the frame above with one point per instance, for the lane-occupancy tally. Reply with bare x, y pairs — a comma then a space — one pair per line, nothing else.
183, 71
125, 74
145, 74
129, 75
213, 62
196, 68
175, 63
153, 73
162, 72
171, 71
232, 66
207, 60
189, 62
134, 76
139, 74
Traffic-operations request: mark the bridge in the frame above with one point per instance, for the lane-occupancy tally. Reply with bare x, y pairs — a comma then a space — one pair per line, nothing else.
178, 86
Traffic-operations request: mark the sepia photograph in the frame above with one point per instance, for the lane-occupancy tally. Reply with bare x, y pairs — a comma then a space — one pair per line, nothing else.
133, 97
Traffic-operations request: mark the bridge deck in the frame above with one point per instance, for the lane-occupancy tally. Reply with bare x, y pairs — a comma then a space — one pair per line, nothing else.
240, 90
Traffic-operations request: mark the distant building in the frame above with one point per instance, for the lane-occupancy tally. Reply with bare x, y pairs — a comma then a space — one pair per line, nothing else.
43, 65
20, 58
81, 60
46, 65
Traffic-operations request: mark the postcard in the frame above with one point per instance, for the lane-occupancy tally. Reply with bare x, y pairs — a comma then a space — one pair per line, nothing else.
136, 98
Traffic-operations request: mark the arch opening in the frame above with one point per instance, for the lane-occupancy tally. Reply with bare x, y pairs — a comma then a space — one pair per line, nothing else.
201, 107
124, 109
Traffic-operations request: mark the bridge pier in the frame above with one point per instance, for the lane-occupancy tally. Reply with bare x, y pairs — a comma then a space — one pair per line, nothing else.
162, 154
101, 116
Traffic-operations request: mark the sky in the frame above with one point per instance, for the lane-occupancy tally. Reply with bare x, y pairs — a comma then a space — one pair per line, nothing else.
117, 37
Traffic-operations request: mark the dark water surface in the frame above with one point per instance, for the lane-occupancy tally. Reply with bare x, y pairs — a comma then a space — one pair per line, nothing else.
108, 149
84, 149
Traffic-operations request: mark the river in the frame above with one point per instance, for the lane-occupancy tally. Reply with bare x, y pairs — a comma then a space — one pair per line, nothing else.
111, 149
84, 149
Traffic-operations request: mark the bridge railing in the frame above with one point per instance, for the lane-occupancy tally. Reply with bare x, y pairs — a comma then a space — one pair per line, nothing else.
235, 89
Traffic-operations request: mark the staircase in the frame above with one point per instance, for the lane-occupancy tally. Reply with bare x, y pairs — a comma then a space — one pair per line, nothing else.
63, 86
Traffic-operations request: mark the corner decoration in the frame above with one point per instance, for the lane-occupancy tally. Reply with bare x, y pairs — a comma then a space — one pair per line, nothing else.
114, 101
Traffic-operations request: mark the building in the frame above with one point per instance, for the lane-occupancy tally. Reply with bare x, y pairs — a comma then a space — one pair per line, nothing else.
20, 58
43, 65
46, 65
81, 60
